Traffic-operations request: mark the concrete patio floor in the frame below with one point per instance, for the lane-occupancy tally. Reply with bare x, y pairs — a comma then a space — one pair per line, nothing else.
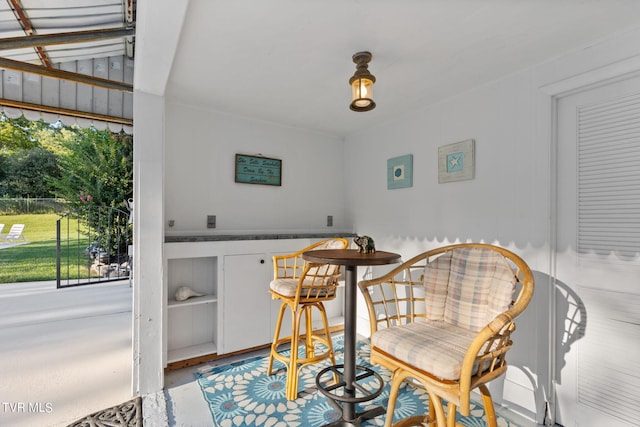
64, 353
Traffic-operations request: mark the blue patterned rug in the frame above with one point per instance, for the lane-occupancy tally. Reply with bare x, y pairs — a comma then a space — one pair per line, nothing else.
241, 394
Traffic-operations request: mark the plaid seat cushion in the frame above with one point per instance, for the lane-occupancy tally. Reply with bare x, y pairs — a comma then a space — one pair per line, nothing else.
289, 287
468, 287
434, 346
284, 287
324, 269
330, 244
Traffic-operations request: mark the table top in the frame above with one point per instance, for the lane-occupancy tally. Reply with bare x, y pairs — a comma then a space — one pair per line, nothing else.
350, 257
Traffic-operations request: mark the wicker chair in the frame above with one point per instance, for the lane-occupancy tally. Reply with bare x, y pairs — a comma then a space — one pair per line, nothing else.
302, 286
445, 318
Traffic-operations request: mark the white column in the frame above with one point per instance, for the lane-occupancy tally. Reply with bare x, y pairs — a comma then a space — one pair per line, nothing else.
148, 369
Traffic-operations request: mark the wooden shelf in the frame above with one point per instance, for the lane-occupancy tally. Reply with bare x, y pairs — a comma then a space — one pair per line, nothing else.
206, 299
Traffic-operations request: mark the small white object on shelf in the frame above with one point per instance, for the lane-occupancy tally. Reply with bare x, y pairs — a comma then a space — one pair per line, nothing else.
183, 293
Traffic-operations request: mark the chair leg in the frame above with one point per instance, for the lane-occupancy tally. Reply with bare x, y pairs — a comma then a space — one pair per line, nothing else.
292, 364
436, 403
432, 416
327, 335
309, 347
396, 381
276, 337
489, 410
292, 369
451, 415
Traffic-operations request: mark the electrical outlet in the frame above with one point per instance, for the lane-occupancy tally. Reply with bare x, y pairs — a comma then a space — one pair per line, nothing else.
329, 220
211, 221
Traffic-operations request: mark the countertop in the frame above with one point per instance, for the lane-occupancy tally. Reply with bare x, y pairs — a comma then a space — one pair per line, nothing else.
255, 236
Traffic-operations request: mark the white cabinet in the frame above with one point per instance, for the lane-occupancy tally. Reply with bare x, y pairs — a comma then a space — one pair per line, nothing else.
237, 313
191, 324
249, 314
246, 319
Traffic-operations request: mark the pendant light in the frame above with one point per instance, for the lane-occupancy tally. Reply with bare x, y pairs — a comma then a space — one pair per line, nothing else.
362, 84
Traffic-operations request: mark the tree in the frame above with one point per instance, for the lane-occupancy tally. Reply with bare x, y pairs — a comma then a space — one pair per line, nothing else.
30, 173
98, 172
83, 166
18, 134
4, 173
97, 168
28, 156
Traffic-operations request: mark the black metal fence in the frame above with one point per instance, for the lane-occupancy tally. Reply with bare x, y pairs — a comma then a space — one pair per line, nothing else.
33, 205
93, 246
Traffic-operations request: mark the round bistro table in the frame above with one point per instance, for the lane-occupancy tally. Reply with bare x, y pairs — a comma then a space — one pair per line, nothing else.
346, 401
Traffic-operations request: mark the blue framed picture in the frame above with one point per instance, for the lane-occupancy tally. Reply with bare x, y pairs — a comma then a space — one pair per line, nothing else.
456, 161
400, 172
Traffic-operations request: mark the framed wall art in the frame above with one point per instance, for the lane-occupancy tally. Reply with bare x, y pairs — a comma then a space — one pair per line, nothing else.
456, 161
258, 170
400, 172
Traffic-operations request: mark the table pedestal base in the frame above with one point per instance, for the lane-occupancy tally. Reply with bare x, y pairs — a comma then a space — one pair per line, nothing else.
343, 398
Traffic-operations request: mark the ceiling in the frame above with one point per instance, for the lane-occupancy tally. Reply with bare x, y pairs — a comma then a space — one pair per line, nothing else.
55, 53
22, 19
289, 61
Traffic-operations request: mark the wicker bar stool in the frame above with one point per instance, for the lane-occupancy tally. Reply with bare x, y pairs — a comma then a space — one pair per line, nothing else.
303, 286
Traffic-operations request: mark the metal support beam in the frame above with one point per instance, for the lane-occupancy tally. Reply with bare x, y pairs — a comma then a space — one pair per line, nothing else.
64, 38
25, 22
64, 75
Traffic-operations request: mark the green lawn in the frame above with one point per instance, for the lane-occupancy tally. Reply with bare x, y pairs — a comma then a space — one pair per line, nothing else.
36, 260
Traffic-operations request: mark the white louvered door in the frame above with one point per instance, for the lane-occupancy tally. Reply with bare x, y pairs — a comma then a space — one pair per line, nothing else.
598, 257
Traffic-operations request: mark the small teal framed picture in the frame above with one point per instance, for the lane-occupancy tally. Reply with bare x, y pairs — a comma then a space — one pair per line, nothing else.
456, 161
400, 172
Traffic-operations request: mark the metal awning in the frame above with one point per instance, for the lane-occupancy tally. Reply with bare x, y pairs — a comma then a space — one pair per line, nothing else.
68, 59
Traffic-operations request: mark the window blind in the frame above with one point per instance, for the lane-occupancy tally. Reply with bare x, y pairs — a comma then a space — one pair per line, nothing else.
608, 150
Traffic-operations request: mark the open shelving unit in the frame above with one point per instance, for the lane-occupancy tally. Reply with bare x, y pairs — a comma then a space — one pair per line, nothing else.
192, 324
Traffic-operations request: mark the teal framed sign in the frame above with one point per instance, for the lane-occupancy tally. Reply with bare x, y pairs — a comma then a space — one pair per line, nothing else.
258, 170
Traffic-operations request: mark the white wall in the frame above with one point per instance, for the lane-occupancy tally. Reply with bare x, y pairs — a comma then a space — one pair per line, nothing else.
510, 201
200, 153
511, 172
